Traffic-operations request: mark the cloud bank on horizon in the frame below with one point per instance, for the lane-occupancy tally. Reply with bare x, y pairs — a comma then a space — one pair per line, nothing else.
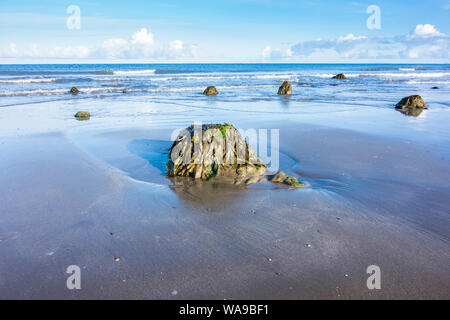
424, 42
140, 45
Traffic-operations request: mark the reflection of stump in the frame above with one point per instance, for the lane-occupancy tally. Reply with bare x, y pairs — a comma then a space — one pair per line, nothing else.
411, 111
207, 151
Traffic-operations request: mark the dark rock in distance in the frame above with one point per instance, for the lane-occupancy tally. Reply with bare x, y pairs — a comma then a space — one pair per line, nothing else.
210, 91
340, 76
434, 88
285, 88
74, 90
414, 101
411, 106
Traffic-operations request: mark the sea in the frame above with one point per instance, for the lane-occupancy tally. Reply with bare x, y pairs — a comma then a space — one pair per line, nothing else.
36, 97
45, 82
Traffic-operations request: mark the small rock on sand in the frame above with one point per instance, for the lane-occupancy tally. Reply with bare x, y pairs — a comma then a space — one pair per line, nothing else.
82, 115
411, 101
283, 178
411, 106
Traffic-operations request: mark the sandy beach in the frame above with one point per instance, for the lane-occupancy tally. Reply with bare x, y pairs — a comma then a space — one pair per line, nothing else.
98, 198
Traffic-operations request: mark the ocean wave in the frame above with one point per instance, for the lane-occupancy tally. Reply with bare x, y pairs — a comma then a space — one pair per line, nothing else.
246, 87
269, 76
135, 72
130, 79
106, 72
427, 82
124, 76
150, 76
201, 78
38, 92
186, 89
199, 89
51, 92
406, 69
415, 75
387, 75
28, 80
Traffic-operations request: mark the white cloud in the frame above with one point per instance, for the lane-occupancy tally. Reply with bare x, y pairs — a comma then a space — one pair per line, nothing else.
269, 53
266, 52
142, 37
426, 30
12, 49
424, 42
178, 48
176, 45
70, 52
113, 48
350, 37
33, 51
140, 45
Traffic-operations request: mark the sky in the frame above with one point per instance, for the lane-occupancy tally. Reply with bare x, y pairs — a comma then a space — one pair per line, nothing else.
112, 31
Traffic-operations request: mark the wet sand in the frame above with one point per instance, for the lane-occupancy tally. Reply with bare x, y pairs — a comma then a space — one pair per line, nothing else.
87, 198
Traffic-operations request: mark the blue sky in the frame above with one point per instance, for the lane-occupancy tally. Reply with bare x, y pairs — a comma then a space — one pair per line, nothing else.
224, 31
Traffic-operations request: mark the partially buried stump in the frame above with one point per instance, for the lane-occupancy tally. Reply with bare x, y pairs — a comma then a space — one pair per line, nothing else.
208, 151
218, 150
285, 88
210, 91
